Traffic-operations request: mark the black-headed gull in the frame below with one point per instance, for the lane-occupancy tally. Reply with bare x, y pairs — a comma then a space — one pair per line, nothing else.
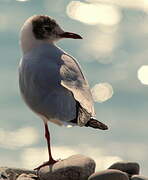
51, 81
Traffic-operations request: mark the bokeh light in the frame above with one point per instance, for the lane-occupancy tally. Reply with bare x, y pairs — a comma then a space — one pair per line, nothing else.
101, 45
94, 13
143, 74
136, 4
102, 92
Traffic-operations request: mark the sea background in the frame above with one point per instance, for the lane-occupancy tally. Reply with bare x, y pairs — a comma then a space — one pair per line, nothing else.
113, 50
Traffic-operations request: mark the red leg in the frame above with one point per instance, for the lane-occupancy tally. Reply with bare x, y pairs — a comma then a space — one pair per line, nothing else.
47, 136
51, 160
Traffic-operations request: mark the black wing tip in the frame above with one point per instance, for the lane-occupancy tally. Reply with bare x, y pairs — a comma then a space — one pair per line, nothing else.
96, 124
105, 127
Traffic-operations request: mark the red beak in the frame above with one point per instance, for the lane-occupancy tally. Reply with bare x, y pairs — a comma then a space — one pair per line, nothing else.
70, 35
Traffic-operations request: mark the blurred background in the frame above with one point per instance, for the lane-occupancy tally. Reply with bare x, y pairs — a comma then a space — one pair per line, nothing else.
114, 57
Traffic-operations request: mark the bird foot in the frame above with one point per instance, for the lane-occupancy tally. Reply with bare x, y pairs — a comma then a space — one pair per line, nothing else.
48, 163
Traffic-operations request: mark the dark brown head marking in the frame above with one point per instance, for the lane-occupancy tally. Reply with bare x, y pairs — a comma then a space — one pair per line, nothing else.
43, 26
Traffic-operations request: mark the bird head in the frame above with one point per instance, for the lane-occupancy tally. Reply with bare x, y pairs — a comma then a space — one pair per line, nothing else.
46, 28
42, 28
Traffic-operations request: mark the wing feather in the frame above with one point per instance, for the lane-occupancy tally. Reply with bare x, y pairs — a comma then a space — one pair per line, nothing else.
74, 80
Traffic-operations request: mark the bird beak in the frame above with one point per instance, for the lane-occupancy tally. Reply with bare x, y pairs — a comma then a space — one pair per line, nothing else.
70, 35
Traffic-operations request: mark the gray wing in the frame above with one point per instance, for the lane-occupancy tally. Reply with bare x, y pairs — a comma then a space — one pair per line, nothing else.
39, 81
74, 80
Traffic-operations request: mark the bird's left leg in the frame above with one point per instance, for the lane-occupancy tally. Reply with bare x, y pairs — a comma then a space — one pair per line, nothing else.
51, 160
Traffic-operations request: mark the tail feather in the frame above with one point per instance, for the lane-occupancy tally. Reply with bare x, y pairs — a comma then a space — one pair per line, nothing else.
83, 118
96, 124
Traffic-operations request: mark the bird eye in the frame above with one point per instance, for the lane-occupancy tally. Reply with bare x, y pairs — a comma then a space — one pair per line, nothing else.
46, 28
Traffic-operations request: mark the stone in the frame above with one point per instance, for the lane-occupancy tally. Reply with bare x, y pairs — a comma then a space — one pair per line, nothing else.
76, 167
109, 174
138, 177
131, 168
27, 177
13, 173
3, 176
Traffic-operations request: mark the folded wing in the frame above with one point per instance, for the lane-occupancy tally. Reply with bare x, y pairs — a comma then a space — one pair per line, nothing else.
73, 79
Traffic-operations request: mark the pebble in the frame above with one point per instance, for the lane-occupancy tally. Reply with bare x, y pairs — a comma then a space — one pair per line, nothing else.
138, 177
13, 173
76, 167
27, 177
110, 174
3, 176
131, 168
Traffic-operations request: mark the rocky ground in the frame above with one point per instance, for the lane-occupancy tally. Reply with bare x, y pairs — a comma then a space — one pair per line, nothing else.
76, 167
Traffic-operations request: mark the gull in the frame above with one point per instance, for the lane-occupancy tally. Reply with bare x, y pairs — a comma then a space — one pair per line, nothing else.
51, 81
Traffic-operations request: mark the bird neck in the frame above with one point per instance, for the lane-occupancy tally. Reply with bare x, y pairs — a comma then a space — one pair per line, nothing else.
28, 41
